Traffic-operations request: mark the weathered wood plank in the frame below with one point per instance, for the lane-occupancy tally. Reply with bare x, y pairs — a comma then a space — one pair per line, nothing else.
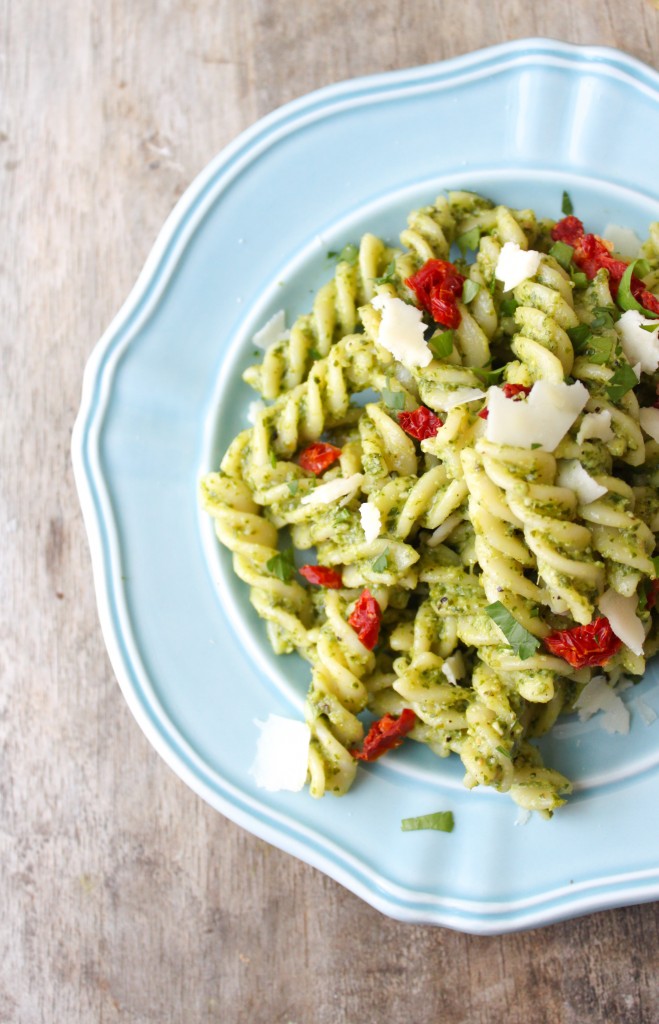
124, 898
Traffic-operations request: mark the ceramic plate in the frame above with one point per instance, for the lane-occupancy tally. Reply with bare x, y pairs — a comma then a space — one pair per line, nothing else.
163, 396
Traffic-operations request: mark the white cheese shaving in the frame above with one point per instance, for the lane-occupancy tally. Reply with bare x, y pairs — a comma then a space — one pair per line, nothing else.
371, 521
543, 419
282, 754
401, 331
596, 424
625, 623
572, 475
516, 265
444, 529
446, 400
649, 420
625, 241
325, 494
274, 330
253, 409
648, 714
638, 345
598, 696
454, 668
523, 816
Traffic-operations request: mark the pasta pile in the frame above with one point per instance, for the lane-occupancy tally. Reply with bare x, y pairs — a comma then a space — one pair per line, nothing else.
485, 561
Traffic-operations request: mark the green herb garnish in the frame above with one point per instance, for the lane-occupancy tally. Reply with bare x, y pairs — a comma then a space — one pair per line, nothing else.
389, 274
622, 381
470, 290
599, 349
580, 337
469, 240
381, 563
508, 307
348, 254
440, 821
506, 753
393, 399
650, 328
315, 354
342, 515
536, 444
566, 205
655, 562
562, 253
441, 345
488, 376
282, 565
523, 643
625, 297
273, 459
293, 486
579, 278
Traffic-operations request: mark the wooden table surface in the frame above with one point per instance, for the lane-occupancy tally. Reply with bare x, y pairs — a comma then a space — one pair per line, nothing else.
123, 897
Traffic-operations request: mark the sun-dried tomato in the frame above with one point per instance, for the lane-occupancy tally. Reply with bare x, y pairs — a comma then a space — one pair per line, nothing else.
318, 457
484, 413
421, 423
385, 734
438, 286
321, 576
516, 391
592, 253
582, 646
365, 619
653, 593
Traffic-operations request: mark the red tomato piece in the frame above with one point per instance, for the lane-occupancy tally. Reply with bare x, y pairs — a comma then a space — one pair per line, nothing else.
583, 646
318, 457
568, 230
592, 253
438, 286
421, 423
516, 391
321, 576
484, 413
653, 593
385, 734
365, 619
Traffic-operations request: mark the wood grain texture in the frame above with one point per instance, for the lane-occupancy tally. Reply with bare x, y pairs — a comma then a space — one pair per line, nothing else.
122, 896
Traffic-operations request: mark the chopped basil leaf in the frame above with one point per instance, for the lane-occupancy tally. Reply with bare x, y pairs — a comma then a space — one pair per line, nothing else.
523, 643
393, 399
508, 307
342, 515
579, 336
442, 344
536, 444
562, 253
488, 376
440, 821
381, 563
643, 268
348, 254
470, 290
315, 354
293, 486
599, 349
580, 279
625, 297
655, 562
566, 205
492, 286
282, 565
273, 459
506, 753
643, 596
389, 274
650, 328
469, 240
622, 381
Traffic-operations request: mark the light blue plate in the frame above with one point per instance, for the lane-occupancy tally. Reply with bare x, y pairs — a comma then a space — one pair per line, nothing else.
163, 396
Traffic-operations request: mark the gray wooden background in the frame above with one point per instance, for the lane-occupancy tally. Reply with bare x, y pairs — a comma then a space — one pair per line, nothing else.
122, 896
